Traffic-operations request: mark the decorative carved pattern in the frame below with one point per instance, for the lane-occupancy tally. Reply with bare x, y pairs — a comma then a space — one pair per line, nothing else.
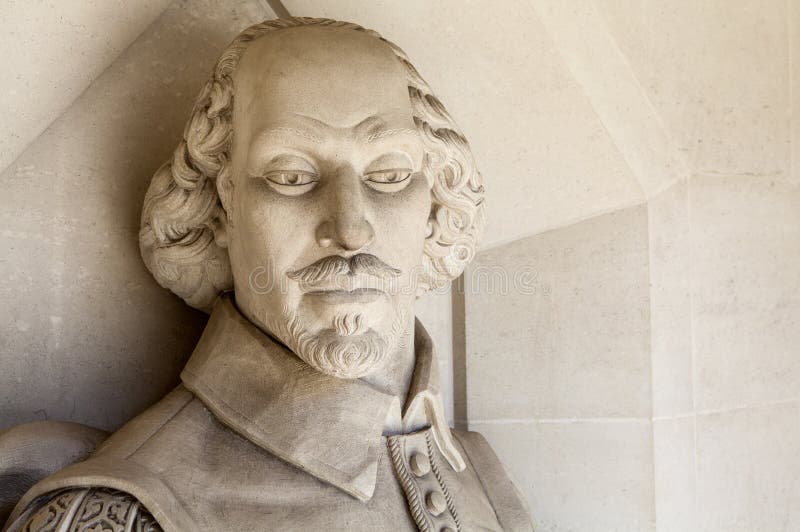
54, 512
440, 480
145, 522
415, 503
104, 510
90, 510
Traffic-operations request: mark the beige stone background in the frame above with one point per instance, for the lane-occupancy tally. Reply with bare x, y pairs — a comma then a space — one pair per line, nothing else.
628, 338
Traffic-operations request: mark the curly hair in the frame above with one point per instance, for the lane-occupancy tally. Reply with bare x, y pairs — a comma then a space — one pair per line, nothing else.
182, 204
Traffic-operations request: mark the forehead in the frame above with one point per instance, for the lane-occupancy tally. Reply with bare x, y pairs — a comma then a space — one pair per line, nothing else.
337, 76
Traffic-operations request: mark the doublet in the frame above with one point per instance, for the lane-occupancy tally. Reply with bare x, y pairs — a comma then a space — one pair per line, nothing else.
255, 439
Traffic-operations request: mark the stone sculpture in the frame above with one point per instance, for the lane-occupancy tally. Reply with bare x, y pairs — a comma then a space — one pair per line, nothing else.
320, 188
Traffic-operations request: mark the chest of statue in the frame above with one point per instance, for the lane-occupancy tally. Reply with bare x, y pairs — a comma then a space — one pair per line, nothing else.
192, 473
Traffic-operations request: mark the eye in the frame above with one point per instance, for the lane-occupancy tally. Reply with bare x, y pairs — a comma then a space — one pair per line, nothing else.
392, 180
291, 182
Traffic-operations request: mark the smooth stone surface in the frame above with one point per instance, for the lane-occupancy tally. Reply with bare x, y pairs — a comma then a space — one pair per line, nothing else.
590, 475
671, 301
591, 54
717, 73
674, 468
746, 290
794, 51
52, 51
748, 469
560, 323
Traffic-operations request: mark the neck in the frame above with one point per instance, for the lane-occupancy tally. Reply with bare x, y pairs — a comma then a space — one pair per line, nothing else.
394, 376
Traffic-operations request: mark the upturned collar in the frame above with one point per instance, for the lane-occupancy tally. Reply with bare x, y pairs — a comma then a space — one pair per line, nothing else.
331, 428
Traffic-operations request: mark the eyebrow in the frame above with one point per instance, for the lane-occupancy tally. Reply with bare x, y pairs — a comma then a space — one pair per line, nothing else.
389, 133
293, 131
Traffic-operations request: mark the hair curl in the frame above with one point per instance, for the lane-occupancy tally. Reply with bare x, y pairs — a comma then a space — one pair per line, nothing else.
182, 204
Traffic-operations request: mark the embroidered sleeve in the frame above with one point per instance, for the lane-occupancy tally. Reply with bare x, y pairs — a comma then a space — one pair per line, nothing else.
89, 510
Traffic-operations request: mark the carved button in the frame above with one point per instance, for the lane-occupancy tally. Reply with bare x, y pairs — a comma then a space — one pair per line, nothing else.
419, 464
435, 503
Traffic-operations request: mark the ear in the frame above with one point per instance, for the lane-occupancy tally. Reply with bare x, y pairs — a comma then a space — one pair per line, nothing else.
219, 226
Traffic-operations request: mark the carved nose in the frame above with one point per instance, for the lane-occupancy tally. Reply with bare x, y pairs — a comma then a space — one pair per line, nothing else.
346, 225
349, 235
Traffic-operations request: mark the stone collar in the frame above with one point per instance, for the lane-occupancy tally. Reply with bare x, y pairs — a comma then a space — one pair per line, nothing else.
329, 427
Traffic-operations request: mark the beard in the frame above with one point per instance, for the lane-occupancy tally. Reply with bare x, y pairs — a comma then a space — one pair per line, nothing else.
347, 350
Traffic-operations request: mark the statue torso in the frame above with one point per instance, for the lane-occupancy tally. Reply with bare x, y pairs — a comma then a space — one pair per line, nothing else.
193, 473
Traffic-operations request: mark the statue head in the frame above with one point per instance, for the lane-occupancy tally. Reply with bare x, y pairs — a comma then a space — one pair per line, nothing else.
321, 181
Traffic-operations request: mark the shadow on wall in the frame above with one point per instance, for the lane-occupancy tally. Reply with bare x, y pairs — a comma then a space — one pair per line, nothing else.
87, 334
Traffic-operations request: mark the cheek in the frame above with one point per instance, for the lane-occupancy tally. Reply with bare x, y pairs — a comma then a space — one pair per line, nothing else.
414, 208
404, 221
419, 214
265, 230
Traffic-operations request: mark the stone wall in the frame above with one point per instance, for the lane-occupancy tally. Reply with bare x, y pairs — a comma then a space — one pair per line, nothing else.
648, 376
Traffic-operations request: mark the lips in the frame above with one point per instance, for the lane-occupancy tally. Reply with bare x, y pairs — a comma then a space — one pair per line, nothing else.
359, 295
350, 283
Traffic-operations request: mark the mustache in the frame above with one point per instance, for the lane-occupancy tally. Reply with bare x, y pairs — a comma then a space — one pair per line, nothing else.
333, 266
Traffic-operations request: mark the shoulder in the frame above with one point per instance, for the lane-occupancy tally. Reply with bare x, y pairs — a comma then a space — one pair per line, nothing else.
86, 509
33, 451
507, 500
117, 467
140, 429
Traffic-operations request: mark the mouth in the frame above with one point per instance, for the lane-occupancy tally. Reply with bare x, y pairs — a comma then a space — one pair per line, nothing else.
338, 297
359, 285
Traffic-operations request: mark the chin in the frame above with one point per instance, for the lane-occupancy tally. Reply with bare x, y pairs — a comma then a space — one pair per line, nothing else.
347, 349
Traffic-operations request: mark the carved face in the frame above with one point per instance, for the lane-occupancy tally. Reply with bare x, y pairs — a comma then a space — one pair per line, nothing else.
328, 212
